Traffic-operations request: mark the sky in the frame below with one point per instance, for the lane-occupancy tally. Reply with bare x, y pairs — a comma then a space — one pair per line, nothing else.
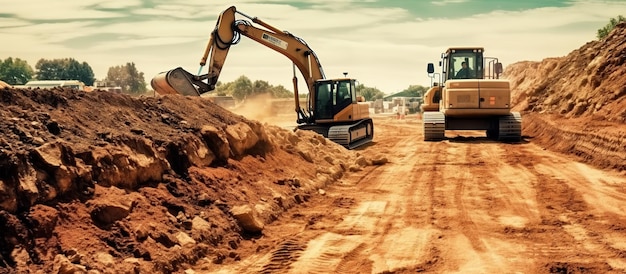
385, 44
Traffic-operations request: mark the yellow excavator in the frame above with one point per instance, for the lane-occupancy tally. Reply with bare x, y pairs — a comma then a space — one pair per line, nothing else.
334, 108
469, 96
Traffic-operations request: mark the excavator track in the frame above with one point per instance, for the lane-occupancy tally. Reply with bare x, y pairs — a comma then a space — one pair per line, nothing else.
434, 125
353, 135
510, 128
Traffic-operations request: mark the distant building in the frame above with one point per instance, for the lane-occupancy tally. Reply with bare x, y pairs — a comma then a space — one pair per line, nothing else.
75, 84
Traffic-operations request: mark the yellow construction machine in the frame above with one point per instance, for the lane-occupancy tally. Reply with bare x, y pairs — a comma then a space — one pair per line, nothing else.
334, 108
468, 95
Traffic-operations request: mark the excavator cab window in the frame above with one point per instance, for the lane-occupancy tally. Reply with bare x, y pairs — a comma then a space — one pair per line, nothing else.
465, 64
324, 100
344, 95
333, 96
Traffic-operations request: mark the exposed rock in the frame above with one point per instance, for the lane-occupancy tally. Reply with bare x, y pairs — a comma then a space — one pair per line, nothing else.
379, 160
74, 256
129, 163
59, 161
241, 137
200, 224
142, 231
246, 216
184, 239
111, 208
28, 185
198, 153
21, 258
8, 199
62, 265
105, 259
362, 161
216, 140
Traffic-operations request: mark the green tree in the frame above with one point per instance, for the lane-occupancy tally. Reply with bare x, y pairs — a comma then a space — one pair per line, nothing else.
604, 32
369, 93
280, 92
15, 72
222, 89
64, 69
260, 87
415, 91
242, 87
128, 78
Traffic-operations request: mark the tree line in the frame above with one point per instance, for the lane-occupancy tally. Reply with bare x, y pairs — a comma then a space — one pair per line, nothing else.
243, 88
19, 72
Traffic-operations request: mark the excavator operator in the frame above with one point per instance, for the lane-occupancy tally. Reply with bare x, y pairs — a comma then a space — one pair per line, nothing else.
465, 72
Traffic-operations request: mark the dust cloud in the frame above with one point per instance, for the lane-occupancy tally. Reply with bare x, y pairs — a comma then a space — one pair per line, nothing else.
266, 109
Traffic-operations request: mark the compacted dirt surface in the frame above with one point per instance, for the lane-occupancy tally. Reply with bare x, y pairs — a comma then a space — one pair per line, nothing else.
463, 205
106, 183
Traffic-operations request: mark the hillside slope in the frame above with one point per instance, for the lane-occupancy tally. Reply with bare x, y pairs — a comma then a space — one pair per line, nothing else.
576, 104
106, 182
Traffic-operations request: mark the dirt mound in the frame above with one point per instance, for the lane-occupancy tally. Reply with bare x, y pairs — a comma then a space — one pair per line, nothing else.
107, 182
577, 103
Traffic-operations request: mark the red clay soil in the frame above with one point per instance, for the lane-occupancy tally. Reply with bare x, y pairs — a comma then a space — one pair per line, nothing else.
108, 182
576, 104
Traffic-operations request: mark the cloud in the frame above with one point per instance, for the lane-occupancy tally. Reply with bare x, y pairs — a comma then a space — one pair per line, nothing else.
447, 2
38, 10
385, 47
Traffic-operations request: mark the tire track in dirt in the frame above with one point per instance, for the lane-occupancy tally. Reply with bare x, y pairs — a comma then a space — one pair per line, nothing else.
462, 205
475, 203
349, 242
577, 229
386, 235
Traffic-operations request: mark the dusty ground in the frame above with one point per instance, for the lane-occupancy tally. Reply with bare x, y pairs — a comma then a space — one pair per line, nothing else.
464, 205
105, 183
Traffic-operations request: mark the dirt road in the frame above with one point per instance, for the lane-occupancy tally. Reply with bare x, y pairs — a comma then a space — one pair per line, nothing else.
462, 205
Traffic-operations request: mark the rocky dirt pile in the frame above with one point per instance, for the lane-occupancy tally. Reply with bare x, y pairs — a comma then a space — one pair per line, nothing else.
577, 103
107, 183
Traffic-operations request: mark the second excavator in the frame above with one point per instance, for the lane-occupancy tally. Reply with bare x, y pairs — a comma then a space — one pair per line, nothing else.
471, 96
334, 108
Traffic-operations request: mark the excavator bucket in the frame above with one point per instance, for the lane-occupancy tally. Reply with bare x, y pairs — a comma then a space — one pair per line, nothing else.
176, 81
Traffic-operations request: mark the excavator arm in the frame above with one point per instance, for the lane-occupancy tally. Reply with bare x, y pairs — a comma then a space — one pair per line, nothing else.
227, 32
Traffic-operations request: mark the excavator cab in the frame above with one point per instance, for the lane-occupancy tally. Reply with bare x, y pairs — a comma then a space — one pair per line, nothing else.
332, 96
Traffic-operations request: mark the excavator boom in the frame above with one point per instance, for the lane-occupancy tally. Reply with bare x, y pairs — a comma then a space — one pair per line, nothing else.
227, 33
333, 108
